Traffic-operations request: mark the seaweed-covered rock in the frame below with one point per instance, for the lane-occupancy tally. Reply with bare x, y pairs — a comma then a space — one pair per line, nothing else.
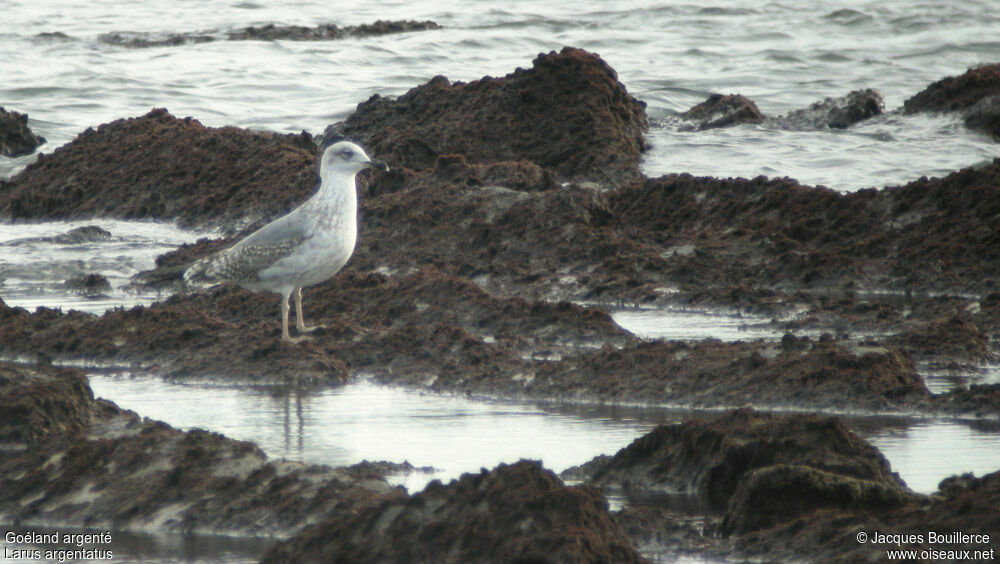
937, 233
985, 116
89, 285
38, 401
514, 513
161, 167
568, 113
964, 516
16, 138
80, 235
980, 400
956, 337
975, 94
446, 333
713, 374
75, 236
835, 113
711, 458
955, 93
723, 110
782, 492
407, 328
269, 32
326, 32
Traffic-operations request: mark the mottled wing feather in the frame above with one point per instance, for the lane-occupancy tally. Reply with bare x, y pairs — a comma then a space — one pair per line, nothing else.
242, 263
244, 260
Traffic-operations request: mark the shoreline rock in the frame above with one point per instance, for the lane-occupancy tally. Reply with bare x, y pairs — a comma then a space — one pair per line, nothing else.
964, 504
16, 138
712, 458
835, 113
790, 488
975, 95
433, 331
160, 167
520, 511
567, 114
269, 32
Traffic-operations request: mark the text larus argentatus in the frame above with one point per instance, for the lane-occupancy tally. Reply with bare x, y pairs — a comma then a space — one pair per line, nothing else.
306, 247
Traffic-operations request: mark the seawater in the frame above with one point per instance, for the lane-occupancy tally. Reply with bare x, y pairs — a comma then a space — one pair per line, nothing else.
455, 434
671, 55
34, 266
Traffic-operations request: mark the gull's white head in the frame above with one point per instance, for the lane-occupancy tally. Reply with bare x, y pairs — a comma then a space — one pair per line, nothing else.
344, 157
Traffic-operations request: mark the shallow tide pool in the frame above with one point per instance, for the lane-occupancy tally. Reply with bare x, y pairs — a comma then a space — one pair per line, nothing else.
457, 434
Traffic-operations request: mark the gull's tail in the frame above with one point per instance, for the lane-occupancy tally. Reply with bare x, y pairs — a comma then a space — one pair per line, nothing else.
202, 272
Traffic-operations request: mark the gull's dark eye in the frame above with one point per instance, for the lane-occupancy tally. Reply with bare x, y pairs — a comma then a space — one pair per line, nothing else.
345, 153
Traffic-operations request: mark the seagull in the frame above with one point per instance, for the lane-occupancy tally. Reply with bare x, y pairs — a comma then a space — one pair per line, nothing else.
303, 248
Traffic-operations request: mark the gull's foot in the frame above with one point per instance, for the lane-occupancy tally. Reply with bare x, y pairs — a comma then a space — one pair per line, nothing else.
309, 328
297, 340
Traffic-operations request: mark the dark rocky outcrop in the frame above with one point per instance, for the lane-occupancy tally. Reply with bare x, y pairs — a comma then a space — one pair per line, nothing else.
780, 493
568, 114
514, 513
985, 116
36, 402
979, 400
931, 233
714, 458
722, 111
326, 32
80, 235
160, 167
790, 488
433, 330
835, 113
16, 138
712, 374
269, 32
964, 504
956, 338
955, 93
422, 324
72, 461
76, 236
90, 285
975, 95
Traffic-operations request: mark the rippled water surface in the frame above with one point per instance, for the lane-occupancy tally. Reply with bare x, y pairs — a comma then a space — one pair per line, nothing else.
37, 260
671, 55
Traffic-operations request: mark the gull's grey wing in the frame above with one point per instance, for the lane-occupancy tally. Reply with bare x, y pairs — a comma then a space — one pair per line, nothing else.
286, 228
259, 250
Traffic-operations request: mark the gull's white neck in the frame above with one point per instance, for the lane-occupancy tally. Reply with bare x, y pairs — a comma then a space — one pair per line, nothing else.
339, 190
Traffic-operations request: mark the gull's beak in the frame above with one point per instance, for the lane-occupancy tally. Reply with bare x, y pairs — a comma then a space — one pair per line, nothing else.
375, 163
